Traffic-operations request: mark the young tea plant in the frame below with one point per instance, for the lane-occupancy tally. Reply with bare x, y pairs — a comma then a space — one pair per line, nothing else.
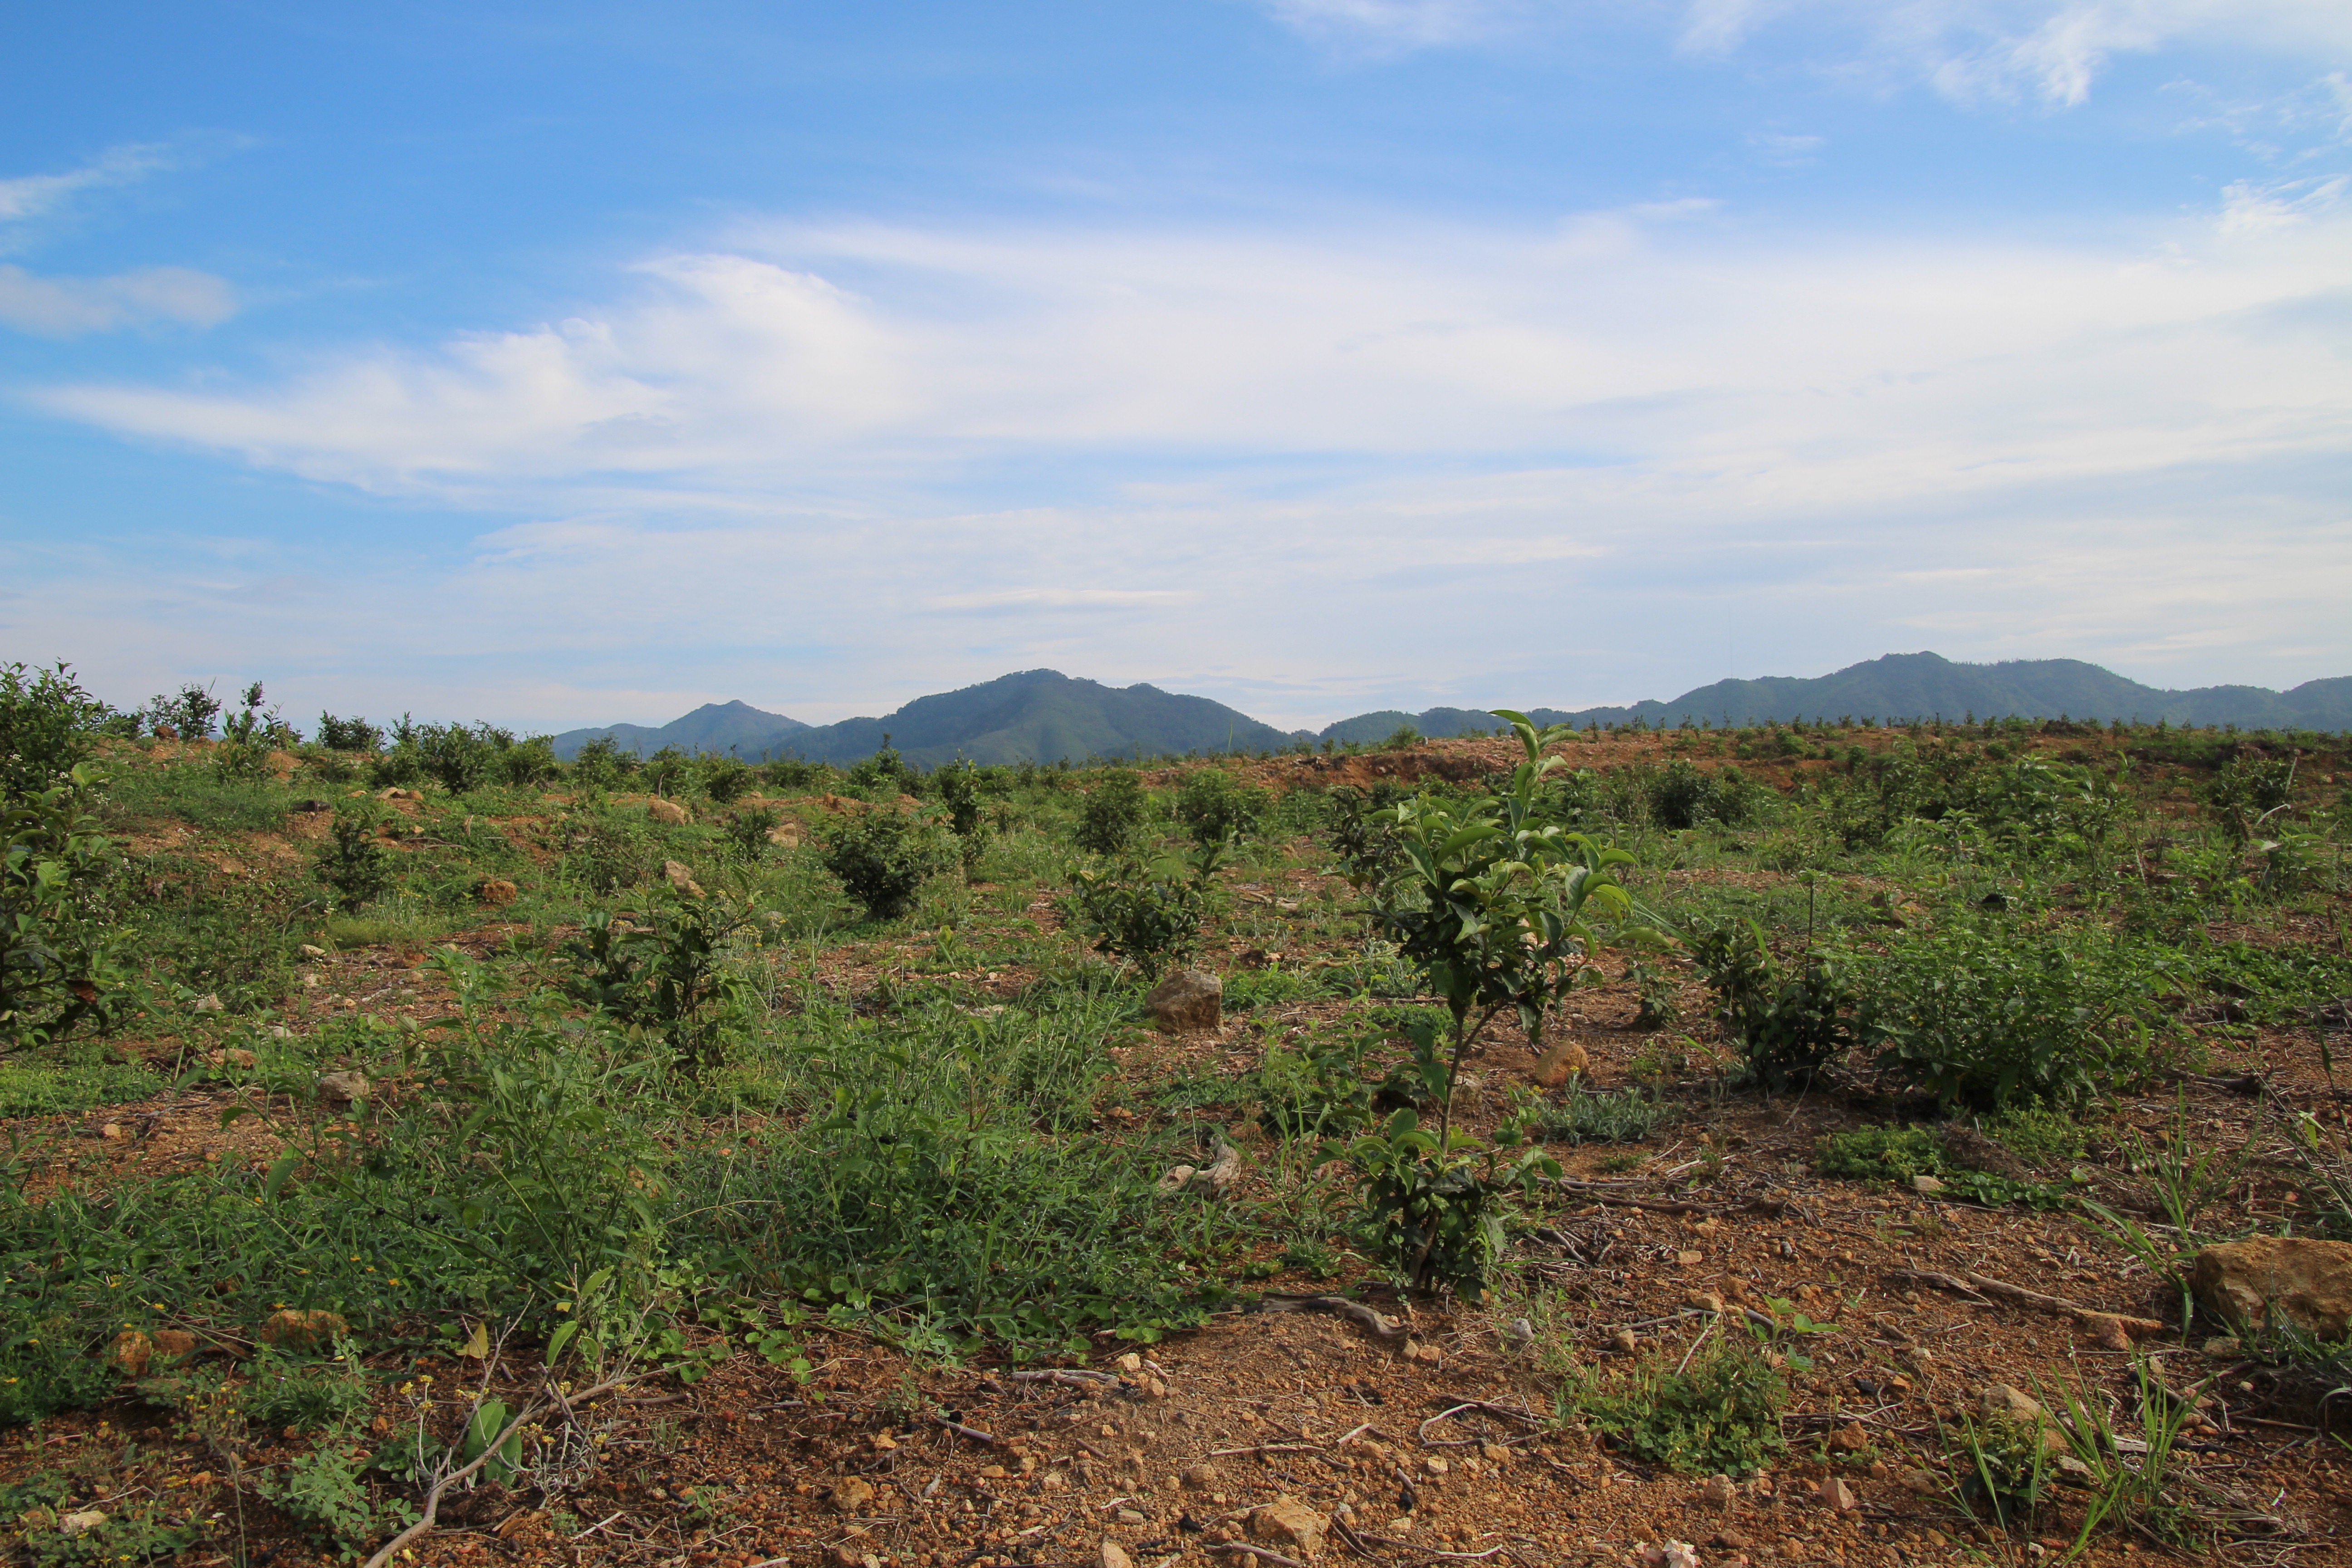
1489, 906
1148, 913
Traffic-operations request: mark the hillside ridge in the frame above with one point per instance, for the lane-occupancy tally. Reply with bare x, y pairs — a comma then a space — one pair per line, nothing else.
1043, 716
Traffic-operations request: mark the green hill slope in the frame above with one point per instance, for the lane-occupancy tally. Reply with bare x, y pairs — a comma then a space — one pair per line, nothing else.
1924, 686
1040, 715
750, 732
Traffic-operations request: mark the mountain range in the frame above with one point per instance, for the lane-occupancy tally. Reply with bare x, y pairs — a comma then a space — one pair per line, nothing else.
1037, 715
1042, 715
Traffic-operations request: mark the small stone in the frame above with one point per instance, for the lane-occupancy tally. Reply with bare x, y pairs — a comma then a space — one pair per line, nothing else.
1923, 1483
174, 1345
495, 892
993, 1472
1111, 1554
342, 1089
1689, 1258
113, 1134
131, 1352
678, 877
209, 1004
1130, 1364
295, 1330
1178, 1178
1923, 1183
1436, 1466
82, 1522
851, 1495
1496, 1453
1719, 1491
1666, 1555
1199, 1478
238, 1057
1188, 999
667, 811
1623, 1342
2221, 1346
1132, 1516
1838, 1497
1705, 1300
1287, 1521
1519, 1335
844, 1556
1417, 1351
1850, 1438
1566, 1059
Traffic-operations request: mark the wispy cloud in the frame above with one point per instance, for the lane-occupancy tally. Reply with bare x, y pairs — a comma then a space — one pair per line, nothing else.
1827, 363
2053, 50
24, 197
68, 307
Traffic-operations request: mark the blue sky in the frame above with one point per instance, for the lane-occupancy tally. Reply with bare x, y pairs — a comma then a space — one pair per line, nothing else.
558, 364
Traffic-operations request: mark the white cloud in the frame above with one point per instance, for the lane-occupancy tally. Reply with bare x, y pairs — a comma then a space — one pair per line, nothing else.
1596, 444
26, 197
2050, 49
67, 307
1826, 365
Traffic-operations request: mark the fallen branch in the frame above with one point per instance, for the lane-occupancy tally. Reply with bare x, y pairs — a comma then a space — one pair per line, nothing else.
960, 1430
1263, 1554
1269, 1449
1355, 1312
1421, 1434
2113, 1329
1065, 1374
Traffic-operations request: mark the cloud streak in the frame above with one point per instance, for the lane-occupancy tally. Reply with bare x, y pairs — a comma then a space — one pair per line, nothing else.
68, 307
807, 362
1969, 51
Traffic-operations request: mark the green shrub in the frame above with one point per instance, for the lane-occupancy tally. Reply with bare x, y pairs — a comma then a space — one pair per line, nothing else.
44, 729
189, 715
1111, 815
2247, 793
1148, 913
669, 970
1989, 1018
792, 773
1681, 795
600, 763
725, 778
1788, 1024
959, 788
748, 830
883, 859
1432, 1207
353, 734
1215, 808
357, 869
605, 853
1717, 1414
885, 772
58, 943
666, 769
1363, 833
